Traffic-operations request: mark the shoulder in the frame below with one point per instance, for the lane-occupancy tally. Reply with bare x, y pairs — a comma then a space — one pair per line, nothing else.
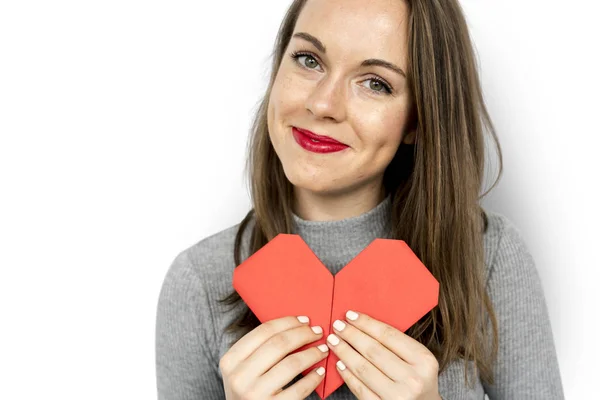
204, 270
210, 260
508, 258
501, 235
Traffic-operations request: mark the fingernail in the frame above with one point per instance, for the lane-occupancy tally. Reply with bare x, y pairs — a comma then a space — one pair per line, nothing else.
340, 365
351, 315
339, 325
317, 329
303, 319
334, 340
321, 371
323, 348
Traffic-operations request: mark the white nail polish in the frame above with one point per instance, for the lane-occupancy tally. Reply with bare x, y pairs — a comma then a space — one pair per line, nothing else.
340, 365
334, 340
339, 325
303, 319
323, 348
317, 329
320, 371
351, 315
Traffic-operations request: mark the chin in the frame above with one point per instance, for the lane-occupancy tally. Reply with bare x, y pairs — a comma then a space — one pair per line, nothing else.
311, 182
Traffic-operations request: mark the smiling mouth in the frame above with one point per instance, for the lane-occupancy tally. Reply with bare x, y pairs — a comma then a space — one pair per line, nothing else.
316, 145
318, 138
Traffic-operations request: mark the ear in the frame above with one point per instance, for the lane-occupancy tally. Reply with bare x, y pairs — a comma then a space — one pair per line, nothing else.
409, 137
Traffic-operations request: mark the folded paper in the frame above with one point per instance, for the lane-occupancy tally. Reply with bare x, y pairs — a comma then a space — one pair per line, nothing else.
386, 281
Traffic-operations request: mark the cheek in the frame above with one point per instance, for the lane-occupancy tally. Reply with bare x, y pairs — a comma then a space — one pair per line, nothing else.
382, 128
281, 107
289, 92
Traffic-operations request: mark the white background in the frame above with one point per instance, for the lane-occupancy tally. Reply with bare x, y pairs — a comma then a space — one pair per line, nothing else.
123, 132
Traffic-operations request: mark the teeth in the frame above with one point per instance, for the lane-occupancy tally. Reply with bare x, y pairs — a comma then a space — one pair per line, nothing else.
315, 141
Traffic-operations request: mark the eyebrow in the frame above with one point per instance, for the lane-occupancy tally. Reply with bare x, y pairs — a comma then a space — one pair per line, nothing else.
370, 62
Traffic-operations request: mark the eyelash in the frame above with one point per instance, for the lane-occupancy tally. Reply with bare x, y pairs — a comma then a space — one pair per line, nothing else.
296, 54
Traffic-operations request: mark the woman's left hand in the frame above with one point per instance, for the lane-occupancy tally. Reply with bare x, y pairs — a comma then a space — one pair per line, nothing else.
383, 362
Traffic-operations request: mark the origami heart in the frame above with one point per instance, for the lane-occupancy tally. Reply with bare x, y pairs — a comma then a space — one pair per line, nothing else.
386, 281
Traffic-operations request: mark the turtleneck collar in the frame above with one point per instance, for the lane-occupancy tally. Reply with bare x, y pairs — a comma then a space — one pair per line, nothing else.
336, 243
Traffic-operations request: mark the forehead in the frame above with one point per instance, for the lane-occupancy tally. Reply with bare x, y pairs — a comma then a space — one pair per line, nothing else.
358, 28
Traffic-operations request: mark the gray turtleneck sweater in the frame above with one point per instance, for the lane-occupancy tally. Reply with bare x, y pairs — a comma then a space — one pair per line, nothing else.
190, 323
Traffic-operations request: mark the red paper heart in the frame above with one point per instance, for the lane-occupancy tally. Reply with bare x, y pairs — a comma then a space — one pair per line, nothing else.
386, 281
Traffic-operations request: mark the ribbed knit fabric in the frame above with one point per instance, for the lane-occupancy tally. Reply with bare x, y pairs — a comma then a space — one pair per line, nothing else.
190, 322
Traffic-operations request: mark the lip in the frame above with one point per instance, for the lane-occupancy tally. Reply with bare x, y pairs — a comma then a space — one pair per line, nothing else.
320, 138
324, 144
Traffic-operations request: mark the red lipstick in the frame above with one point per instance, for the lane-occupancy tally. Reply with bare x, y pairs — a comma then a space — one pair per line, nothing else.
316, 143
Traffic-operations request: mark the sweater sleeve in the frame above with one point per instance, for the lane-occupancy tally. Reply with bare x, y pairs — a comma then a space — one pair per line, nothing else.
186, 368
527, 365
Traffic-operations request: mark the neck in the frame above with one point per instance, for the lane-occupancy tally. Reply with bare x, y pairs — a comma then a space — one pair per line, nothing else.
337, 242
311, 206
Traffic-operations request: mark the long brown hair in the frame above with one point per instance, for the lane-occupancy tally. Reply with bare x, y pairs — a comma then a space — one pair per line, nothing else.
434, 184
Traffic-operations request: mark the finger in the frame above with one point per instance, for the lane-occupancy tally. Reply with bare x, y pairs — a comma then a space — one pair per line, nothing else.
356, 386
360, 367
276, 348
245, 346
304, 387
398, 342
287, 369
379, 355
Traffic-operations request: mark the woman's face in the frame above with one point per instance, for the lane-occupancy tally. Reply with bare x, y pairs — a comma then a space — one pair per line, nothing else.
327, 91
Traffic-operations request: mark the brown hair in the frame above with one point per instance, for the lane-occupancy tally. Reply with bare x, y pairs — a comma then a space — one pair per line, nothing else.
434, 184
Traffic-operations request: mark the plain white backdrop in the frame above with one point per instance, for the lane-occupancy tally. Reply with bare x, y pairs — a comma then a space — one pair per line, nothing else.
123, 133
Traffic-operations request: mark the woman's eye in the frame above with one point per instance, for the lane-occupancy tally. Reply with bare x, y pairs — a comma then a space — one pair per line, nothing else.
309, 63
378, 86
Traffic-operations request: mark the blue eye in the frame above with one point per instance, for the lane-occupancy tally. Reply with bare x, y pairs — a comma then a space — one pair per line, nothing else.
379, 83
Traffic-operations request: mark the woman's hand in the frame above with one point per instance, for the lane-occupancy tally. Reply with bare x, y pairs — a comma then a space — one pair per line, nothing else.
387, 364
258, 365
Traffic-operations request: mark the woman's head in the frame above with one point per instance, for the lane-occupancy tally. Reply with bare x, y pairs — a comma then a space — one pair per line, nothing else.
422, 141
343, 76
427, 139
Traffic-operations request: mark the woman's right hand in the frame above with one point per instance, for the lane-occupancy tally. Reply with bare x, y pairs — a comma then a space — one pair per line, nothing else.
259, 365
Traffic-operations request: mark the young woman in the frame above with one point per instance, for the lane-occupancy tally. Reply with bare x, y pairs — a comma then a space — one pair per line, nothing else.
372, 126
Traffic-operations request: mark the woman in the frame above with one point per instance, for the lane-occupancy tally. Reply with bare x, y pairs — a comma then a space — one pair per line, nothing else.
372, 126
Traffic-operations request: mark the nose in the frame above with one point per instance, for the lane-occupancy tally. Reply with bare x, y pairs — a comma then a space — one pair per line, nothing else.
327, 99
